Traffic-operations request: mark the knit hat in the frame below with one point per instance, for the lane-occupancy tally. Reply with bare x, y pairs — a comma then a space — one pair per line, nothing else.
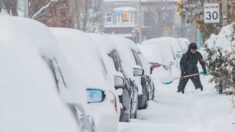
192, 46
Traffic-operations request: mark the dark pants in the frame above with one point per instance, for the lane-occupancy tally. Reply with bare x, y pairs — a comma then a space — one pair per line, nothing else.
196, 81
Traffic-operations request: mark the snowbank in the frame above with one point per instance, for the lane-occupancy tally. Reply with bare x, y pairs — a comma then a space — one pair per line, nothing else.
224, 40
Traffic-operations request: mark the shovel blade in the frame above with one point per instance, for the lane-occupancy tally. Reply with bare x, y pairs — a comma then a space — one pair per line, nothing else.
167, 82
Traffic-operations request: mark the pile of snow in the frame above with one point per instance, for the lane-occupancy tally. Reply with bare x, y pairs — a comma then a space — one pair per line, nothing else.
195, 111
220, 58
224, 40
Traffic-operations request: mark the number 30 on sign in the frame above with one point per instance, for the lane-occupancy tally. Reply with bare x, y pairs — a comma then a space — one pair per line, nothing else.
212, 13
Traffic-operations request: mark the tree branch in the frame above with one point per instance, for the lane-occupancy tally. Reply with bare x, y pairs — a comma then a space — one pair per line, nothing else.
35, 16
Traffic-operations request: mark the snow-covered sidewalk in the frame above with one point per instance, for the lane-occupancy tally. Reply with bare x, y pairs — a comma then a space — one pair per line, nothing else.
195, 111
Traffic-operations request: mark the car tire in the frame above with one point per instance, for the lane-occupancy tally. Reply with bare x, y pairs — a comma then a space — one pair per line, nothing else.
143, 102
143, 99
153, 92
134, 115
124, 118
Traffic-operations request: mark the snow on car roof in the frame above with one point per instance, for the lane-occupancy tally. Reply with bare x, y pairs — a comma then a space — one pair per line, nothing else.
123, 46
83, 55
159, 50
39, 36
28, 97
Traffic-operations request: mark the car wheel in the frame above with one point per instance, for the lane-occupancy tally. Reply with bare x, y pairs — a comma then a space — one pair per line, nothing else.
134, 115
153, 92
125, 118
143, 99
136, 111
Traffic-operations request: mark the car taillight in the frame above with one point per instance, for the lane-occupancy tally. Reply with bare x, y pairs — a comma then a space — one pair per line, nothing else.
123, 109
114, 102
156, 65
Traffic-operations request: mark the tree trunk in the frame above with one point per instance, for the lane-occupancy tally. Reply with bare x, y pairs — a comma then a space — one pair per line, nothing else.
10, 6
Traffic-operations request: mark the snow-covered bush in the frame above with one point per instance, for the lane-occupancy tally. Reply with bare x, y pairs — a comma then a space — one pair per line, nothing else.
221, 58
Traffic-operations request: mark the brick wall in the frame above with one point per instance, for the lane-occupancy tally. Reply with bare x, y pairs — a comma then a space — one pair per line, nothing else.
231, 10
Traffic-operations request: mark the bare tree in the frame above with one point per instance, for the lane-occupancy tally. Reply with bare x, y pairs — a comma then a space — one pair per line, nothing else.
80, 14
54, 13
86, 14
10, 6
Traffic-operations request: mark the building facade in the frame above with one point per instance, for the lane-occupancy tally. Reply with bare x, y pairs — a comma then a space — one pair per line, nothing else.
140, 19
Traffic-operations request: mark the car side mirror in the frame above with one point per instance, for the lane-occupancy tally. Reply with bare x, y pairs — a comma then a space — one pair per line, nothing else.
95, 95
119, 82
138, 72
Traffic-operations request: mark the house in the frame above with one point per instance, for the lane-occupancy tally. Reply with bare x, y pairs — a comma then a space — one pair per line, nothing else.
120, 17
139, 19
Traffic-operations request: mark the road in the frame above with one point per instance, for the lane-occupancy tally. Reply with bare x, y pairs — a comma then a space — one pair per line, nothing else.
195, 111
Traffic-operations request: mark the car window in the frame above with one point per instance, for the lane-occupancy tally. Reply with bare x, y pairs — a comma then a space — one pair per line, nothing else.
116, 60
57, 74
137, 58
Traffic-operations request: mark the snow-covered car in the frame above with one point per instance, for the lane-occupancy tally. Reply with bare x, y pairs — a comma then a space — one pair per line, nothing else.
147, 80
88, 63
128, 94
184, 43
146, 87
125, 48
164, 52
31, 96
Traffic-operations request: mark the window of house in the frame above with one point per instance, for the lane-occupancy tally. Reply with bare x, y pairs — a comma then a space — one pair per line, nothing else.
108, 18
132, 17
126, 17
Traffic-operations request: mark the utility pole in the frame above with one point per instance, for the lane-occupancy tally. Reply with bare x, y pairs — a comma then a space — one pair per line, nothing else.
224, 12
139, 27
26, 8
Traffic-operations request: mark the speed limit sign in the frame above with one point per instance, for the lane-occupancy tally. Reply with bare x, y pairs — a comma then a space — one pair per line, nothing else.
212, 13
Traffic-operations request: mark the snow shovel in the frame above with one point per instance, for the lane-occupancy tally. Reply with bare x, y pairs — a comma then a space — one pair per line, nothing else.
177, 78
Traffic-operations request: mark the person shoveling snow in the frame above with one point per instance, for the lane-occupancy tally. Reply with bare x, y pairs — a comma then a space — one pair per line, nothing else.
189, 69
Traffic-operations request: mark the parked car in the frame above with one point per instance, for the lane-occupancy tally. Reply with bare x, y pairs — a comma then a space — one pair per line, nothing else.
130, 59
88, 63
145, 80
32, 97
164, 53
128, 94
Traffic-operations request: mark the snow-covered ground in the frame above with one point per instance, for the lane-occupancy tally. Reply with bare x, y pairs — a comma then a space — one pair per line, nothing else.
195, 111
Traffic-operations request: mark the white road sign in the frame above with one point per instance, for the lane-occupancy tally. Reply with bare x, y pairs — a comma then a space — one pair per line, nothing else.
212, 13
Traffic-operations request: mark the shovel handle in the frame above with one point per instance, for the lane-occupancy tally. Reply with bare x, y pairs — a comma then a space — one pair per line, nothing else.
192, 75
